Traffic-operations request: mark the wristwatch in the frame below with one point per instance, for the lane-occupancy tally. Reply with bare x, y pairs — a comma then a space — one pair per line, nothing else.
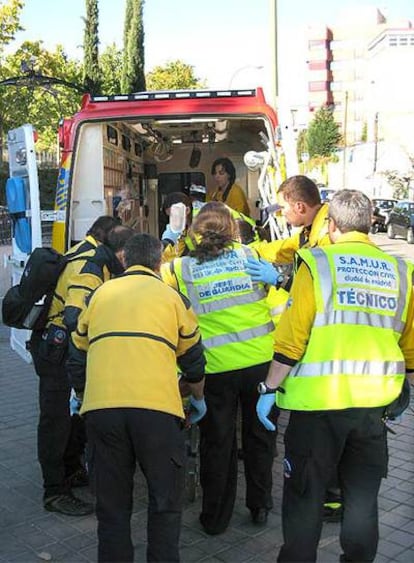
263, 389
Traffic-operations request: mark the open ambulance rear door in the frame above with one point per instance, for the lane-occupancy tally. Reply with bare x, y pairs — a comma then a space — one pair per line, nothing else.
23, 202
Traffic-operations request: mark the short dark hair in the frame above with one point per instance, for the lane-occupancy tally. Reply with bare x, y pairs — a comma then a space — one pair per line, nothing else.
143, 250
300, 188
228, 166
101, 227
176, 197
246, 231
118, 237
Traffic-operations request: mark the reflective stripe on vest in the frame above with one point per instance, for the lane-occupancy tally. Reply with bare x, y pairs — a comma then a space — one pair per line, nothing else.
339, 367
240, 336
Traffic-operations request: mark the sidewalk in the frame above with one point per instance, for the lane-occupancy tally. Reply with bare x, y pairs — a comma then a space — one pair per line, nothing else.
29, 534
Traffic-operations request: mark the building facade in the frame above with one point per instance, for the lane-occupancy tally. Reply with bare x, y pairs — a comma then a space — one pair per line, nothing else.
361, 67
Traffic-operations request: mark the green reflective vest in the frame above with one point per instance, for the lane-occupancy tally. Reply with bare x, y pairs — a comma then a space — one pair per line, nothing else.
232, 311
352, 358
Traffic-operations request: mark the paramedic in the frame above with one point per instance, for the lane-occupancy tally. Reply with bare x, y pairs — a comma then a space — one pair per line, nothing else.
126, 365
237, 330
198, 196
58, 433
342, 350
227, 191
301, 206
175, 242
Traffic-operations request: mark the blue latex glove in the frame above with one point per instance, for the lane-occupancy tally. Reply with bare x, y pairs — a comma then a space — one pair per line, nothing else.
263, 408
262, 271
75, 404
197, 410
169, 234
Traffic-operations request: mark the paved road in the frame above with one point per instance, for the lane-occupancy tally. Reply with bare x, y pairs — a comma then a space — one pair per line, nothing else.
29, 534
397, 246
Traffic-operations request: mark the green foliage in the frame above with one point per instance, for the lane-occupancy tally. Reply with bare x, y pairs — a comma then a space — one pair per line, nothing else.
364, 133
301, 144
323, 134
174, 75
42, 106
110, 63
9, 20
91, 77
133, 77
400, 183
47, 185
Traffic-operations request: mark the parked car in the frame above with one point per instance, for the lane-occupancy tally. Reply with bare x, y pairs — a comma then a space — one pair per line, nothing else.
381, 213
401, 221
326, 193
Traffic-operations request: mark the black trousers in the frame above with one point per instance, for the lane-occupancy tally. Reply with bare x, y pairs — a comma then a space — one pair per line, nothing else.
57, 432
354, 441
118, 439
218, 446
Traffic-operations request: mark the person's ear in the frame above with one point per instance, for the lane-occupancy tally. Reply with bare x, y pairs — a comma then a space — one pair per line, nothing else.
301, 207
120, 254
157, 268
333, 230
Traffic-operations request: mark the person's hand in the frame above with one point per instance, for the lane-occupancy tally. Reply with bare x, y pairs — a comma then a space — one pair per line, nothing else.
263, 408
198, 409
262, 271
170, 235
75, 403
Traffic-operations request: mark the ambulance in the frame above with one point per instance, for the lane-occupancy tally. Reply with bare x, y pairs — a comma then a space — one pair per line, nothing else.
122, 154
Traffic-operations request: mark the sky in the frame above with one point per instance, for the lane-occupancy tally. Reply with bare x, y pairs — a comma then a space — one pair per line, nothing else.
226, 41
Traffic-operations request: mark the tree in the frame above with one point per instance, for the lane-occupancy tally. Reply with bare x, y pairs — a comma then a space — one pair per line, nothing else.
110, 63
174, 75
43, 106
9, 25
9, 20
323, 134
90, 48
127, 27
301, 144
133, 77
399, 181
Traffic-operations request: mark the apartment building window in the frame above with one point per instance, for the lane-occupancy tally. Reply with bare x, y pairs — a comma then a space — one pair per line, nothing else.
340, 65
317, 43
318, 86
401, 40
318, 65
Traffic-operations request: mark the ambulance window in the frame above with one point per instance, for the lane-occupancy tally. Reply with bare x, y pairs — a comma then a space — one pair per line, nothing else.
179, 181
112, 135
138, 149
126, 143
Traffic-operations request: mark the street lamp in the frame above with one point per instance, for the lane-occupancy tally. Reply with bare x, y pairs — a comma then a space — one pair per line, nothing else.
345, 130
240, 69
375, 142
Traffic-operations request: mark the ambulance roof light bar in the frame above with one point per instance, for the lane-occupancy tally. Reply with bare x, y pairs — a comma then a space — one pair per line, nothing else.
177, 94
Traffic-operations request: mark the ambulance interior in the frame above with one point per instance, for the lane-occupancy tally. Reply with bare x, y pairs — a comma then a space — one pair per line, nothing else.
126, 168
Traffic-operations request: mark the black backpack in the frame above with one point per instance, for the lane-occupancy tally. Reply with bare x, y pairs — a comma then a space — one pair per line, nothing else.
27, 304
